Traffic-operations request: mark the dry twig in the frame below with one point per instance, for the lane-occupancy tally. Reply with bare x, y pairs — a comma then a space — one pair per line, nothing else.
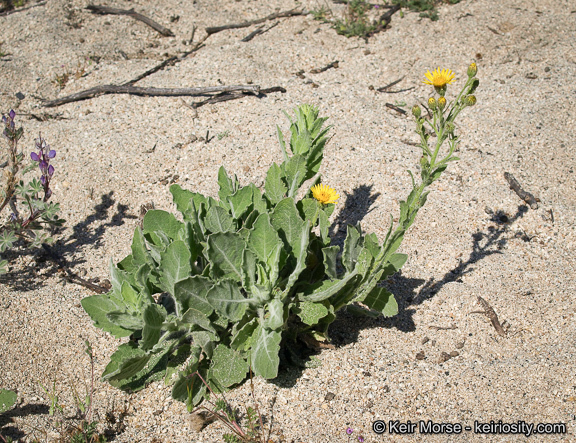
290, 13
135, 90
13, 11
396, 108
491, 314
99, 9
515, 186
227, 96
258, 31
443, 328
325, 68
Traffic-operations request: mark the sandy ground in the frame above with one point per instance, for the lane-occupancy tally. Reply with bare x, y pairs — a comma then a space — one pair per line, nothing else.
474, 238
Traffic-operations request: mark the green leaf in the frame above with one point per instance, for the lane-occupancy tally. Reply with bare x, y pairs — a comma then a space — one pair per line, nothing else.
295, 173
140, 254
98, 306
352, 247
382, 301
228, 366
225, 252
240, 201
125, 320
154, 316
227, 185
175, 265
156, 220
264, 357
7, 239
274, 315
206, 340
330, 261
310, 313
183, 200
192, 291
175, 360
126, 362
242, 339
287, 221
371, 243
326, 289
265, 242
130, 296
274, 185
7, 399
218, 220
259, 203
226, 298
194, 317
324, 225
185, 381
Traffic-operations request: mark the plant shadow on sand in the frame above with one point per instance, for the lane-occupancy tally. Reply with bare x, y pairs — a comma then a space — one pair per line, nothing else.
87, 233
407, 291
20, 411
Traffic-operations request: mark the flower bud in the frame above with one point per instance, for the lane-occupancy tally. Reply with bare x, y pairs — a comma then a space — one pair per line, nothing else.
450, 127
441, 103
470, 100
472, 70
432, 103
416, 111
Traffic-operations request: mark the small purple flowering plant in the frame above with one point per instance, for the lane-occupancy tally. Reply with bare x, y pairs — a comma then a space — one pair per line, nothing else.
33, 217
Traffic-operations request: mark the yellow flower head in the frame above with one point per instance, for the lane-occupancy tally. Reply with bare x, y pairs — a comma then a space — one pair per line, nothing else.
439, 79
441, 103
324, 194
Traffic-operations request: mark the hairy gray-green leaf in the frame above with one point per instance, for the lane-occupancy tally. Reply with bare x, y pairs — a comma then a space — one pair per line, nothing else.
154, 316
242, 339
274, 184
265, 242
226, 298
330, 261
7, 399
175, 264
127, 361
352, 247
310, 313
225, 252
381, 300
274, 315
295, 173
157, 220
191, 292
264, 352
98, 306
228, 186
240, 201
219, 220
129, 321
229, 368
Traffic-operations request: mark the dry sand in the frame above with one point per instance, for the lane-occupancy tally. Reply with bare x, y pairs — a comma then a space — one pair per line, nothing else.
475, 237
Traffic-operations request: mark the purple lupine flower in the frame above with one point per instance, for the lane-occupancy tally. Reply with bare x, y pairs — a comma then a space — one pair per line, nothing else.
43, 157
9, 124
349, 431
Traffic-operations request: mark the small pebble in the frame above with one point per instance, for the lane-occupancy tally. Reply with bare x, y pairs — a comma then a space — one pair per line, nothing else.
425, 340
420, 355
444, 357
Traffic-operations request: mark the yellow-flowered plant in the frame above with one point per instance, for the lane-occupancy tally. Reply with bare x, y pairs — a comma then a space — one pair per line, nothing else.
232, 284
